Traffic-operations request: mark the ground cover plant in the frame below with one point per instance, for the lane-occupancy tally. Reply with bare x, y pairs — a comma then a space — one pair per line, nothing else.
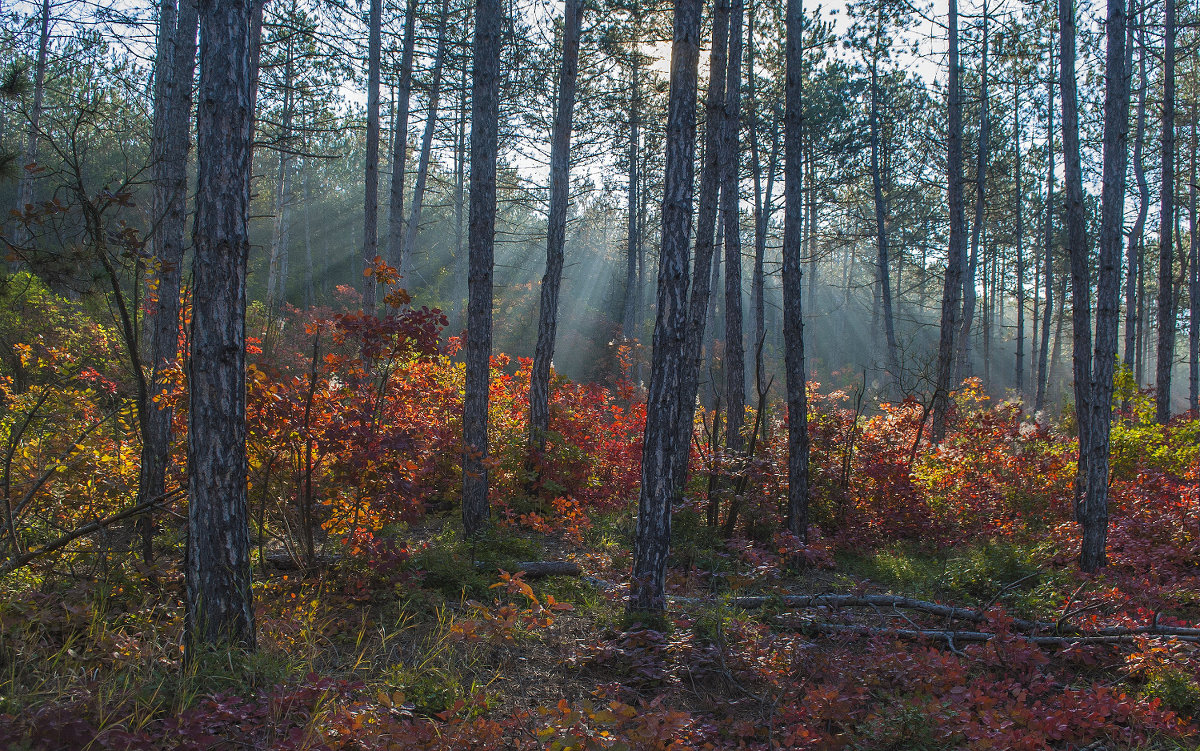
936, 604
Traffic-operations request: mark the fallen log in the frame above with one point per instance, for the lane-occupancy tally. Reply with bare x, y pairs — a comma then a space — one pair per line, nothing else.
960, 637
945, 611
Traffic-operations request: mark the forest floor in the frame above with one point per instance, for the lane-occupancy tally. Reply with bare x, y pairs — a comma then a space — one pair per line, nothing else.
431, 642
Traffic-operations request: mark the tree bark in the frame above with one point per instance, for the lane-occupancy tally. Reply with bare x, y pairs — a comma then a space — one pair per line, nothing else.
735, 351
371, 190
435, 90
172, 115
1194, 279
704, 266
952, 289
556, 233
1018, 190
400, 142
660, 484
882, 266
220, 608
963, 342
278, 262
1077, 243
1047, 247
629, 310
485, 117
1166, 248
1133, 252
1108, 283
793, 274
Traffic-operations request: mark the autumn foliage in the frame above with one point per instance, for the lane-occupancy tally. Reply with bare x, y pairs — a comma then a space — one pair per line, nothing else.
355, 451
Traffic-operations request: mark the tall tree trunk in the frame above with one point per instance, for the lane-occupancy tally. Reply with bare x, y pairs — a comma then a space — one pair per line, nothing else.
277, 267
660, 484
556, 234
705, 268
1166, 248
1077, 244
629, 311
485, 121
1194, 278
762, 208
435, 90
220, 609
963, 342
882, 265
1133, 251
735, 353
953, 287
172, 116
25, 183
310, 292
793, 235
395, 247
371, 191
1047, 246
1112, 213
1018, 190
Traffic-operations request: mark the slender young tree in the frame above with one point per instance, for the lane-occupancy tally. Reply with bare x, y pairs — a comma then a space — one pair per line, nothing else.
1194, 272
793, 274
956, 253
735, 351
176, 66
1039, 401
1133, 256
1077, 241
660, 484
220, 609
371, 191
485, 121
400, 140
703, 266
1112, 210
435, 90
556, 234
1166, 223
963, 342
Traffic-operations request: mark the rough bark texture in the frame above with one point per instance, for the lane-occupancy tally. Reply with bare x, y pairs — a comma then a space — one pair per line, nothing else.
629, 312
1133, 256
173, 125
660, 484
703, 268
1043, 372
485, 115
882, 265
556, 233
735, 350
220, 609
371, 189
1019, 365
1077, 242
400, 141
277, 273
1193, 283
435, 90
963, 342
793, 274
1166, 246
952, 288
1112, 214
